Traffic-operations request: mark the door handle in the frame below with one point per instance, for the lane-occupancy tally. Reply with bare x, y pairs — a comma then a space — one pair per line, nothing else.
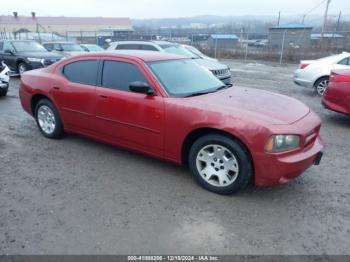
103, 96
56, 87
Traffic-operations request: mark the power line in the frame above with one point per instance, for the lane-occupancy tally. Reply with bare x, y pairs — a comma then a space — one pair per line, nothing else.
312, 9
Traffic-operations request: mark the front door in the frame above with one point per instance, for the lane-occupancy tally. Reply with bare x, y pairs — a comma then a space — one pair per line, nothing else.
130, 118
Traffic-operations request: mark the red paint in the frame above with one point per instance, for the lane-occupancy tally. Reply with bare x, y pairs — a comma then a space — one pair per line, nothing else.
337, 95
159, 125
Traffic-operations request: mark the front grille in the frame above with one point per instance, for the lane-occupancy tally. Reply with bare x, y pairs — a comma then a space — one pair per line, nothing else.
221, 72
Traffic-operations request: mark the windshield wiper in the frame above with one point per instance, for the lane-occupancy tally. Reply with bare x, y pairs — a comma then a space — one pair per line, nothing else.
200, 93
208, 92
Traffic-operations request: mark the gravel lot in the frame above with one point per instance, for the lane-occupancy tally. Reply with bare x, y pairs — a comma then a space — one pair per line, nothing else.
78, 196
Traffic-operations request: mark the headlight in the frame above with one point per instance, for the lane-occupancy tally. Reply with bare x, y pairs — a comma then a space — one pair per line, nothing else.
281, 143
33, 59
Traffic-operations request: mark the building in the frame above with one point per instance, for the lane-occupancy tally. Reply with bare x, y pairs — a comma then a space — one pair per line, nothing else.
330, 40
62, 25
292, 35
226, 41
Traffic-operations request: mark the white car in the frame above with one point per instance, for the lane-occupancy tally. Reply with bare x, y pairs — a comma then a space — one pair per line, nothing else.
315, 73
221, 71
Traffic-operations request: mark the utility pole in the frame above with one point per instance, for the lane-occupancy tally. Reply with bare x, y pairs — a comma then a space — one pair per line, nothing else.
338, 22
336, 28
324, 27
279, 18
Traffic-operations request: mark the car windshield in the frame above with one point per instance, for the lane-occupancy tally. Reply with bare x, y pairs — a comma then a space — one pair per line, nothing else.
28, 46
94, 47
189, 79
178, 50
71, 47
195, 51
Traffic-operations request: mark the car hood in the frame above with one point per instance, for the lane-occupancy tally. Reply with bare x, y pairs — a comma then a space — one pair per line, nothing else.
210, 64
39, 54
253, 104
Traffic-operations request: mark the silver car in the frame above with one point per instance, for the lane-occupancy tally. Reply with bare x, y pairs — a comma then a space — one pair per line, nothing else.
221, 71
66, 49
315, 73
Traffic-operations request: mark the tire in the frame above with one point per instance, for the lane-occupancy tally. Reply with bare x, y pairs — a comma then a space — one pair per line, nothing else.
3, 92
48, 119
321, 85
226, 159
21, 68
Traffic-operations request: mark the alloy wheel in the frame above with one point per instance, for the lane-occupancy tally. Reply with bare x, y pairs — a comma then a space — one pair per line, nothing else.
322, 86
217, 165
46, 119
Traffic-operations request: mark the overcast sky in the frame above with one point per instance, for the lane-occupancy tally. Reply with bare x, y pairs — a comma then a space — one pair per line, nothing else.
168, 8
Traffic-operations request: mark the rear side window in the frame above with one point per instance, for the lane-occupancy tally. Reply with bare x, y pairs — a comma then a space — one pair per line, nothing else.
345, 61
119, 75
148, 47
83, 72
128, 47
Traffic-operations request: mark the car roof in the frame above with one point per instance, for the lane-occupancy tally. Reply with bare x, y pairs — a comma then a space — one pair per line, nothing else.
62, 42
143, 42
145, 56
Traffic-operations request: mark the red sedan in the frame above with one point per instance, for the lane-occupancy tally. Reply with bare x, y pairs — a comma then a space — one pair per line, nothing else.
337, 95
174, 109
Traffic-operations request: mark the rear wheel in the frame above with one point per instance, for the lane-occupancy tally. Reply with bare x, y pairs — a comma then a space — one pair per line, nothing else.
220, 164
48, 119
321, 85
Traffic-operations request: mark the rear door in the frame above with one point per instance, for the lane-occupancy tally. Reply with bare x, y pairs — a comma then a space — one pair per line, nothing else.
129, 118
76, 94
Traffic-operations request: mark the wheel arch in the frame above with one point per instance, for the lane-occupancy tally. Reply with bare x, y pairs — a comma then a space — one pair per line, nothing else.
319, 78
35, 100
197, 133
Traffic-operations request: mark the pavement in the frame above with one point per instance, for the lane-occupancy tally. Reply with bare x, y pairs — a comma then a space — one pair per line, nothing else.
79, 196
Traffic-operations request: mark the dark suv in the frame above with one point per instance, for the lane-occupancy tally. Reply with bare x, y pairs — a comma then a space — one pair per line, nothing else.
23, 55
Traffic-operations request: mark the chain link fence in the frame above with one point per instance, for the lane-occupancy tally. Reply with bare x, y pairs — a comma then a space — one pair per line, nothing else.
282, 46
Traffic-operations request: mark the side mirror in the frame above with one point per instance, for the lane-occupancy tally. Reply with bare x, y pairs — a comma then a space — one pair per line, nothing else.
9, 51
142, 88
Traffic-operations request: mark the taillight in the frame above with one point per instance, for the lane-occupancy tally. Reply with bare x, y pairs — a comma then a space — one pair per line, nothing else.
339, 78
303, 65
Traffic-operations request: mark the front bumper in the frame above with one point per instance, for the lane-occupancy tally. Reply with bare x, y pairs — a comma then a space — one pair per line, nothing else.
280, 169
4, 85
226, 80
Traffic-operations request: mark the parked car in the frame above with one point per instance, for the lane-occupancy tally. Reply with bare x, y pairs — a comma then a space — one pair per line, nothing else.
172, 108
23, 55
337, 95
66, 49
195, 51
221, 71
315, 73
91, 48
4, 79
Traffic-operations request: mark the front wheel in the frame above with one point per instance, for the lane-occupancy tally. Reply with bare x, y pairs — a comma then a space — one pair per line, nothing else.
3, 91
21, 68
48, 119
321, 85
220, 164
